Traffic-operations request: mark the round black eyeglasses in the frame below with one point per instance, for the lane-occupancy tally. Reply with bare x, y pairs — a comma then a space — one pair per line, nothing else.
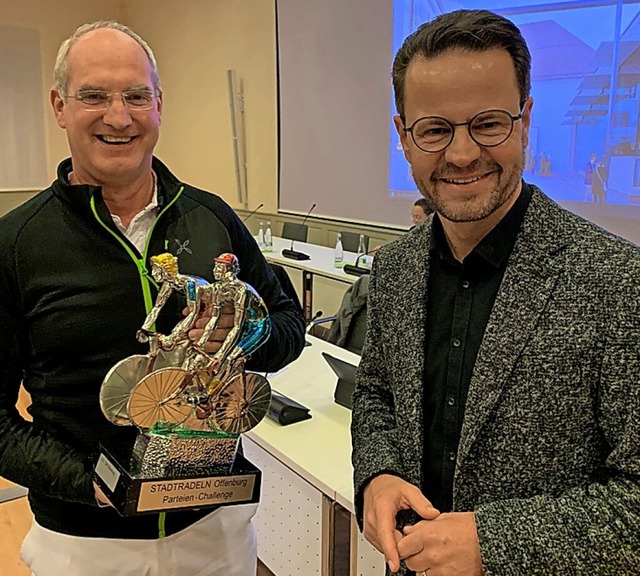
488, 128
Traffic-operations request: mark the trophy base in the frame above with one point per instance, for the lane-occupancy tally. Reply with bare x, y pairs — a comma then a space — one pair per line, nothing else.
164, 473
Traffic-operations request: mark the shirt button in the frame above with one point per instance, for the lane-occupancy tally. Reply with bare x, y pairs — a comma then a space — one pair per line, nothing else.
456, 343
465, 284
452, 456
451, 401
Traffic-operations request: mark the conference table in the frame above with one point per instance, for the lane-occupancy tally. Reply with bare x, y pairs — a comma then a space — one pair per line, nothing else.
319, 283
305, 524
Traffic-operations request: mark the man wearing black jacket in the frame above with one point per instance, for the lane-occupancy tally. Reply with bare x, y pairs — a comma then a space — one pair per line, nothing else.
76, 286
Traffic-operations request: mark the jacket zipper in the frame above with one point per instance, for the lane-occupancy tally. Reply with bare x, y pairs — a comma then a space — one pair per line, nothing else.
141, 263
145, 278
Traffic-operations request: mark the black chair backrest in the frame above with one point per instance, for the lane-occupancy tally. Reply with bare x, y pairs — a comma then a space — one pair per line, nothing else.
351, 241
294, 231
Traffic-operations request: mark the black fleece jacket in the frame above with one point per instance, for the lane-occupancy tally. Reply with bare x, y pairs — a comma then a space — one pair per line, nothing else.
73, 293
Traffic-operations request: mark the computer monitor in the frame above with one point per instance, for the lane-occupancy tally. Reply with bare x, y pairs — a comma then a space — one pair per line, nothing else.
346, 374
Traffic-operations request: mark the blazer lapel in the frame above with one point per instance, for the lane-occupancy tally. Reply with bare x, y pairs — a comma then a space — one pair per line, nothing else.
528, 283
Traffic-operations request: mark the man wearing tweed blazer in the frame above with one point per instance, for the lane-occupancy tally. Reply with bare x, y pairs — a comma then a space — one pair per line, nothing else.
496, 418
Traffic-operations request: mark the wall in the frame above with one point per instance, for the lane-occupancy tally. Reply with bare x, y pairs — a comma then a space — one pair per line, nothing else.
54, 20
196, 42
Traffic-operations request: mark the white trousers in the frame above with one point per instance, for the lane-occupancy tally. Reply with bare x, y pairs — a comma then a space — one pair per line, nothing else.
220, 544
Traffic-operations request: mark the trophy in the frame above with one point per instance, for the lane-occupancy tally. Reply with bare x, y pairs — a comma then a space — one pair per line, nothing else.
190, 407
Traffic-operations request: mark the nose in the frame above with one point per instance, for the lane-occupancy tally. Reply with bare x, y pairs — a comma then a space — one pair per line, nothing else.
117, 114
463, 150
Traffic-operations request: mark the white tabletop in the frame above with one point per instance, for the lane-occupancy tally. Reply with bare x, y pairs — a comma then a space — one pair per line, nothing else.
320, 261
319, 449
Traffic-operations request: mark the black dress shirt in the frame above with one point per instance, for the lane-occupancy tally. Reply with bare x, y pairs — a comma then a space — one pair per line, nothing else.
460, 299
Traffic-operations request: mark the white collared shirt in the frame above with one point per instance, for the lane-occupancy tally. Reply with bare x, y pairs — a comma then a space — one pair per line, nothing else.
142, 222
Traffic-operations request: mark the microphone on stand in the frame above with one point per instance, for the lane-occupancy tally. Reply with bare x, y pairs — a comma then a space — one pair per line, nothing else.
355, 269
311, 323
294, 254
252, 212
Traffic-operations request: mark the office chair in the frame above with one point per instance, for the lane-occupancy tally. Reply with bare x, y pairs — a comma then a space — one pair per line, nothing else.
294, 231
351, 241
349, 325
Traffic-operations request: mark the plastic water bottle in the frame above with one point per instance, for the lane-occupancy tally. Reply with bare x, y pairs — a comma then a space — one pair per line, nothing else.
338, 253
261, 236
361, 248
268, 239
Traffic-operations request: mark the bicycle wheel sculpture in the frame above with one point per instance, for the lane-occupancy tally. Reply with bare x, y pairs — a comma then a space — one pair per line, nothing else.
158, 398
242, 403
125, 375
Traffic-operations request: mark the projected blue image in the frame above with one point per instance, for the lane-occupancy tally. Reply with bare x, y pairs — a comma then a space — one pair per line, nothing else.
584, 143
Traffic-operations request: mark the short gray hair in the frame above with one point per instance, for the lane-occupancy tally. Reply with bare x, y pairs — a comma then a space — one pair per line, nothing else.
60, 71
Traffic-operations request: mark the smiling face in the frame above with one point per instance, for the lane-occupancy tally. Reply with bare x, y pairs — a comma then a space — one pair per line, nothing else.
466, 182
113, 147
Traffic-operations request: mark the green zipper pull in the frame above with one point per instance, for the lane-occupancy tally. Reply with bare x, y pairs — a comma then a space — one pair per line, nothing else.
142, 268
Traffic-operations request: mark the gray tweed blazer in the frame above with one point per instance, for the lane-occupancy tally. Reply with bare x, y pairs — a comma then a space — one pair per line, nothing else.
549, 457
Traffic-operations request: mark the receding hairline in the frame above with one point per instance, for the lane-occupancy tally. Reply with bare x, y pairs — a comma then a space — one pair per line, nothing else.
61, 72
91, 34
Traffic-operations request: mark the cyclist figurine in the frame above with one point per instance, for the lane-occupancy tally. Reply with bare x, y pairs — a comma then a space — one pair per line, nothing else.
164, 270
251, 326
205, 386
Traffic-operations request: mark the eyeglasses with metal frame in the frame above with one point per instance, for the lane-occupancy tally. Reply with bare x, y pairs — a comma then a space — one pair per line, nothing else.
100, 100
488, 129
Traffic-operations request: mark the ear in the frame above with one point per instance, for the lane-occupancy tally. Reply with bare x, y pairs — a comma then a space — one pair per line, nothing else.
404, 136
526, 121
57, 103
159, 105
